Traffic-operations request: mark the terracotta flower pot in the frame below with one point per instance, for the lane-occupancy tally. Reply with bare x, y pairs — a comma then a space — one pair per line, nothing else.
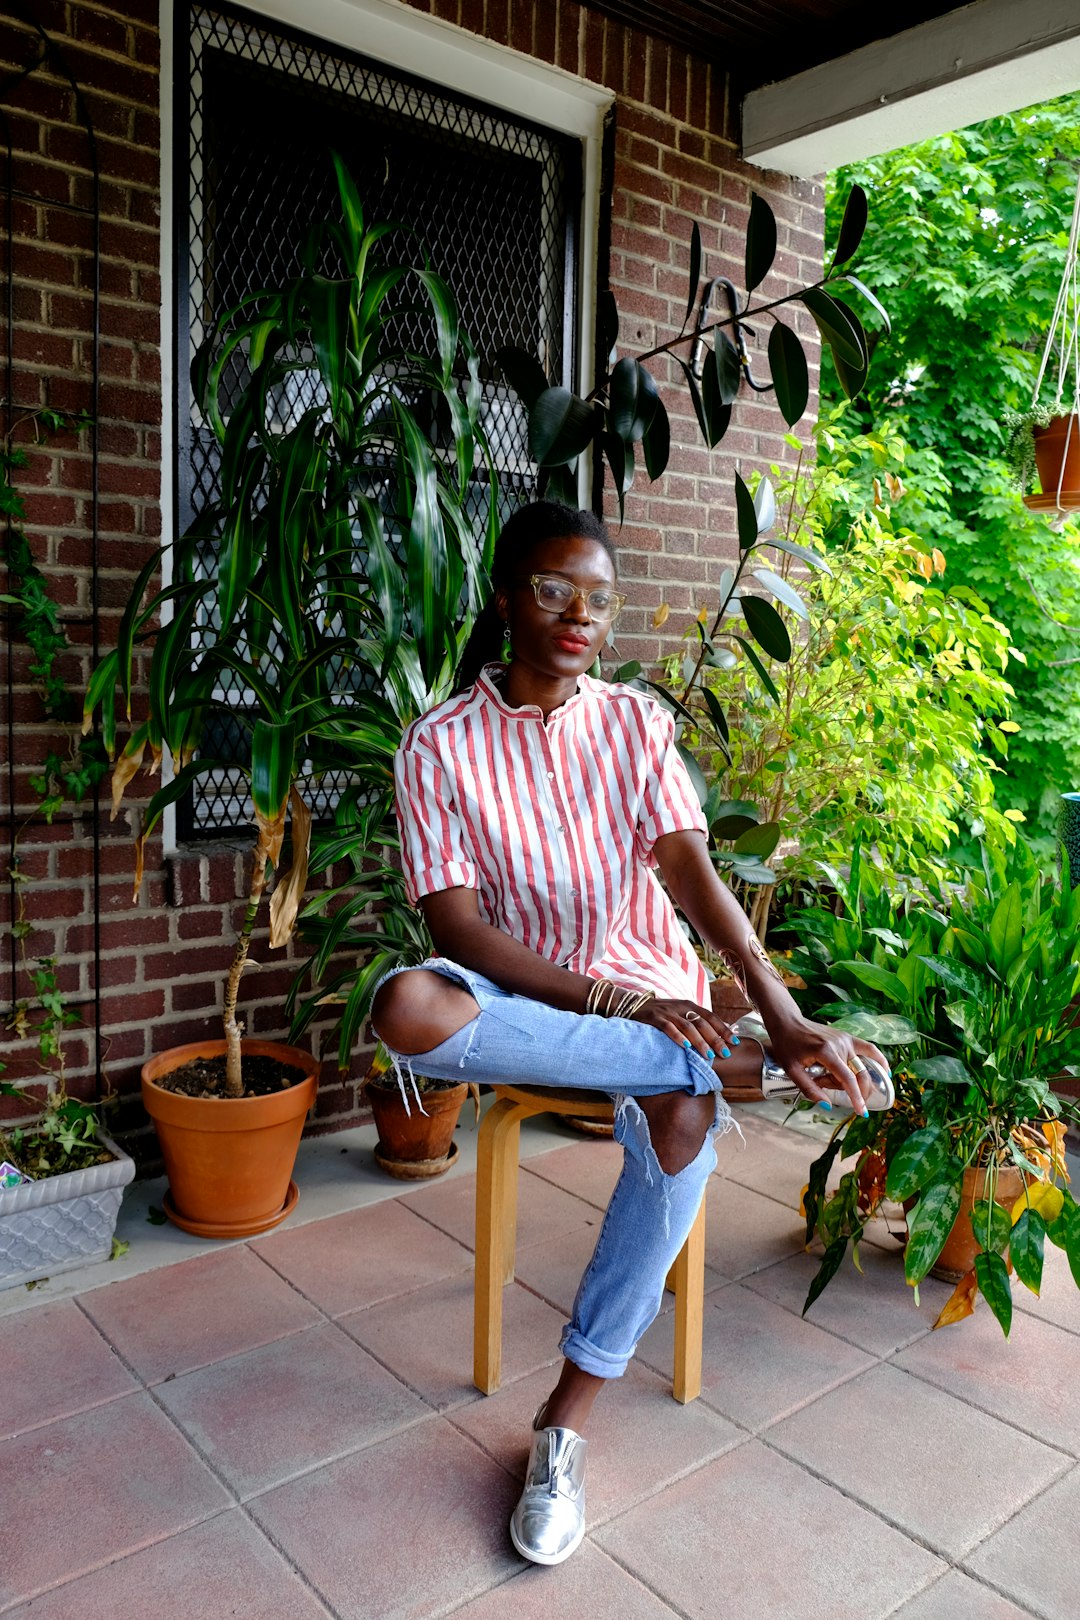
1057, 457
415, 1146
229, 1159
958, 1255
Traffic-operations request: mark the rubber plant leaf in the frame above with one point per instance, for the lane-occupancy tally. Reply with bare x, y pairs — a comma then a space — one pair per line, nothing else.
561, 426
760, 241
787, 362
852, 226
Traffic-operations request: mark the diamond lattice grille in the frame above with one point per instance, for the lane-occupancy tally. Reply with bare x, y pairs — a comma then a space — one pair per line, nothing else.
491, 199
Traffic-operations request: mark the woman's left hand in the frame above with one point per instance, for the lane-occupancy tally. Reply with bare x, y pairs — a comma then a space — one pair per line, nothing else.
797, 1042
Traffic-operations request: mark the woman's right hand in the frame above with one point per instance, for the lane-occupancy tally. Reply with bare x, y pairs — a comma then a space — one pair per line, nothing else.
690, 1025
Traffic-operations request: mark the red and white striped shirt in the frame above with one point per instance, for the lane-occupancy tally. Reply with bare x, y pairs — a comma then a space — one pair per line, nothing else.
553, 822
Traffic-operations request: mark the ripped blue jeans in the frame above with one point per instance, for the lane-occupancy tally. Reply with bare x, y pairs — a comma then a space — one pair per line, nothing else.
515, 1040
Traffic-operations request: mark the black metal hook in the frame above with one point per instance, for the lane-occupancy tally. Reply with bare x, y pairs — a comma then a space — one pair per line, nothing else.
737, 330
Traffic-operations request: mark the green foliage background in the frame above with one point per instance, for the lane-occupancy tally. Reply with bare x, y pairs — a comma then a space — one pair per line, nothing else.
965, 245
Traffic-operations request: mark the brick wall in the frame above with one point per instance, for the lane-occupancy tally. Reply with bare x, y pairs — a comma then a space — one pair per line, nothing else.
675, 159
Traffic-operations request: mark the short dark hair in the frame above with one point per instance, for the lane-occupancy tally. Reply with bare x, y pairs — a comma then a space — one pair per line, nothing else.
528, 527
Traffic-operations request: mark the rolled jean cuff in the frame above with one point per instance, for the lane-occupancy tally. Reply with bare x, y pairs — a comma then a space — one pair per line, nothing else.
590, 1358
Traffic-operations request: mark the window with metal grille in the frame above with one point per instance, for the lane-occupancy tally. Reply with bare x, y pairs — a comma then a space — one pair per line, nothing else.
492, 198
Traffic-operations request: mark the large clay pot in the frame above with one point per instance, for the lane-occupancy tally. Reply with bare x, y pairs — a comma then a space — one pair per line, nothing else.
229, 1160
415, 1146
1057, 457
958, 1255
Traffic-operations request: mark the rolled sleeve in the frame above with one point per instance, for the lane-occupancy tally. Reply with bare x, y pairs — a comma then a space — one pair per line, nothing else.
434, 855
669, 802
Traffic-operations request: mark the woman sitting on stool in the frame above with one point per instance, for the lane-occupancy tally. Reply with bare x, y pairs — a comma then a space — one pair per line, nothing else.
533, 806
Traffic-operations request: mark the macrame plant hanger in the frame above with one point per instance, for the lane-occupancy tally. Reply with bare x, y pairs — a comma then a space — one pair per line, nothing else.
1063, 347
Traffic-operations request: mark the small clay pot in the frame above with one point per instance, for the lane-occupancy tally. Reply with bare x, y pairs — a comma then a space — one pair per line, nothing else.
1057, 457
960, 1248
415, 1146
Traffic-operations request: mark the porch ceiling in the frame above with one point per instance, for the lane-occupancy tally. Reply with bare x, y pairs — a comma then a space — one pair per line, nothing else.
761, 41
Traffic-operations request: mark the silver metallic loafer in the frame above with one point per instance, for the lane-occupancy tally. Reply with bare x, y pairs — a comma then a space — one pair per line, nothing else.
549, 1521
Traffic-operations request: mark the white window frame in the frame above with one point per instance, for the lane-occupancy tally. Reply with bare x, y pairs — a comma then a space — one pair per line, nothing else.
427, 48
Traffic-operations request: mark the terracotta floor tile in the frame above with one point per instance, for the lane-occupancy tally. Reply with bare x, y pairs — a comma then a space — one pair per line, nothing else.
588, 1169
544, 1212
413, 1526
958, 1597
1036, 1557
991, 1472
772, 1160
169, 1321
745, 1230
1059, 1298
759, 1362
264, 1417
427, 1337
590, 1586
1031, 1379
358, 1259
94, 1487
753, 1537
875, 1310
223, 1569
54, 1363
639, 1438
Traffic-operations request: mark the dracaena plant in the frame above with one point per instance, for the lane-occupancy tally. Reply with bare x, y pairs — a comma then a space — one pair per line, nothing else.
989, 1016
331, 583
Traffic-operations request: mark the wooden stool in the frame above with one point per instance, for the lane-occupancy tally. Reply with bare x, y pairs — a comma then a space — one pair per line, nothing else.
497, 1148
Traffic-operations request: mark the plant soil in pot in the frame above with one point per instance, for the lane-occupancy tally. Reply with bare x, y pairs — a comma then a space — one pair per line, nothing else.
415, 1146
229, 1160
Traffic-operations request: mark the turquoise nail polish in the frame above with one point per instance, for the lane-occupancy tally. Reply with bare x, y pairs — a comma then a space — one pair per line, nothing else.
824, 1104
735, 1041
686, 1044
725, 1051
710, 1053
866, 1113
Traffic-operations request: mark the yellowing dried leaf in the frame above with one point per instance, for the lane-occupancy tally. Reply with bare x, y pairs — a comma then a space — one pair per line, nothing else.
660, 616
125, 768
878, 497
802, 1200
140, 848
286, 898
960, 1303
703, 616
938, 558
271, 836
924, 565
1044, 1198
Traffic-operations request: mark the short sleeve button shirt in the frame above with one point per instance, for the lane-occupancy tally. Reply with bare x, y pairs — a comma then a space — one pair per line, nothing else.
553, 823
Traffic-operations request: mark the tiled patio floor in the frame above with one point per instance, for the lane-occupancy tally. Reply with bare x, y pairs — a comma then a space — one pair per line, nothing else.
287, 1428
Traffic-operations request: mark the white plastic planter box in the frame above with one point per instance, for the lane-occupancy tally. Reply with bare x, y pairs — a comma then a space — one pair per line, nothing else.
61, 1222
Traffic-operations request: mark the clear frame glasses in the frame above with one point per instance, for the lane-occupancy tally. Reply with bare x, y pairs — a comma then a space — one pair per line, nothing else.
555, 595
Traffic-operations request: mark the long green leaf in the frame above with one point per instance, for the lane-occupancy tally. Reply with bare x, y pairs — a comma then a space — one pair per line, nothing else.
125, 636
837, 325
745, 514
921, 1159
524, 373
272, 750
929, 1224
992, 1276
695, 271
729, 369
560, 427
656, 445
990, 1224
852, 226
762, 673
632, 398
830, 1265
447, 322
427, 559
1026, 1244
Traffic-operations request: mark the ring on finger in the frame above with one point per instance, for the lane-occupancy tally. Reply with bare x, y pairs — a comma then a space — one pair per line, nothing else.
693, 1017
856, 1065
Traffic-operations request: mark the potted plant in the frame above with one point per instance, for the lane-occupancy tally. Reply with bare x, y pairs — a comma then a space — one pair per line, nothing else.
365, 923
325, 584
62, 1180
1045, 439
976, 991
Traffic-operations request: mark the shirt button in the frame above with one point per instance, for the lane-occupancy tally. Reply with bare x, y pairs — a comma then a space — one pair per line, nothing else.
575, 893
560, 829
551, 776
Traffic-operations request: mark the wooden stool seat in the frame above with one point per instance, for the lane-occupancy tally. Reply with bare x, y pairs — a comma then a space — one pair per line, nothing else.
497, 1149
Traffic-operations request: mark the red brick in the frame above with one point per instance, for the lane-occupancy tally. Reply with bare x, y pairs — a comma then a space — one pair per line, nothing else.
101, 32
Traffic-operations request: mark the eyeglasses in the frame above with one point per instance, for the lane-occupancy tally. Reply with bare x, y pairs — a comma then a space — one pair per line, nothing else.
555, 596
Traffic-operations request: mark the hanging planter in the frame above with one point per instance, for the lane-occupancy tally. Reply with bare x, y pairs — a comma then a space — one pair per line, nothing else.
1046, 437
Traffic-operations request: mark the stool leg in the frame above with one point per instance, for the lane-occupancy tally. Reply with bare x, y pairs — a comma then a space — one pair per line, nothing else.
689, 1277
496, 1193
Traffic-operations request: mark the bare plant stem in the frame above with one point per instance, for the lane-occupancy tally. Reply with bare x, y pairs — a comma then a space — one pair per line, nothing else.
234, 1029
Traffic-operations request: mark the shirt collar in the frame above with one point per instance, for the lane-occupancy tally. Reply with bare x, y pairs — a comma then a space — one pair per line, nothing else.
489, 684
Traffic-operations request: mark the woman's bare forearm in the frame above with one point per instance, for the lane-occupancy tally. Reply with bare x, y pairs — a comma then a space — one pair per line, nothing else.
460, 933
708, 904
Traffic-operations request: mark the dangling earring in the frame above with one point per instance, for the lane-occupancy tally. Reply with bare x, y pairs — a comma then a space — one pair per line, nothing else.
507, 648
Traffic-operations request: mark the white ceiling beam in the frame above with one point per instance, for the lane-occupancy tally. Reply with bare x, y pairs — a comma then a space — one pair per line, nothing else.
989, 57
